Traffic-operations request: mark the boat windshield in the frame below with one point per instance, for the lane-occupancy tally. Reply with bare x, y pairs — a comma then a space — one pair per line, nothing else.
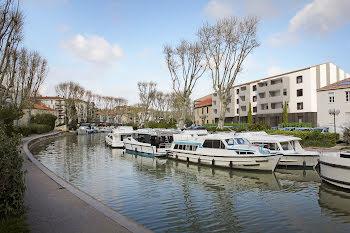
286, 146
241, 141
230, 141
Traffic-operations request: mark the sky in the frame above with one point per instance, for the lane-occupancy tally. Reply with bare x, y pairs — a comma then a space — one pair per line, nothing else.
107, 46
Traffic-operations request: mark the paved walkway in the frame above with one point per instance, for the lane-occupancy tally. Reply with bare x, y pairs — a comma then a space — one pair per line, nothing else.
52, 208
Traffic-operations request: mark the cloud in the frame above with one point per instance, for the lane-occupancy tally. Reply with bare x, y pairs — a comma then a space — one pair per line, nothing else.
145, 53
274, 70
93, 48
319, 18
219, 8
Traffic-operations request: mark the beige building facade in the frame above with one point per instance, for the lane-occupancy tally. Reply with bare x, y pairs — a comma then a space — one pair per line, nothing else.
203, 111
334, 97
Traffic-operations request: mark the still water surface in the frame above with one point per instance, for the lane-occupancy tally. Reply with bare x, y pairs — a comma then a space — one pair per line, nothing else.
169, 196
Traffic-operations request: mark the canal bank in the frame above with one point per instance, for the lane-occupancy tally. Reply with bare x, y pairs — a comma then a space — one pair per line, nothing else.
57, 206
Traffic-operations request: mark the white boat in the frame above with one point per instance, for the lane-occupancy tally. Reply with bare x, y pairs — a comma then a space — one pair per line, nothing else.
150, 142
222, 150
288, 146
85, 128
335, 168
106, 129
115, 139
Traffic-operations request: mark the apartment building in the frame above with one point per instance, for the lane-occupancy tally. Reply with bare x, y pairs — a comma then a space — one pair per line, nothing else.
334, 97
203, 112
54, 102
267, 96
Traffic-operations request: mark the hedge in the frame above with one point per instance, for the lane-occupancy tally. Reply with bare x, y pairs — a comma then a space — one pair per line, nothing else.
32, 129
311, 139
44, 119
296, 124
236, 125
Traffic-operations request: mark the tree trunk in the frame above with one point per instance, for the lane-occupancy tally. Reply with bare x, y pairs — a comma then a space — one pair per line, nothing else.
222, 111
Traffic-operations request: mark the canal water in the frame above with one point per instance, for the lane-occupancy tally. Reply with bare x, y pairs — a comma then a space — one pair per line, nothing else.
169, 196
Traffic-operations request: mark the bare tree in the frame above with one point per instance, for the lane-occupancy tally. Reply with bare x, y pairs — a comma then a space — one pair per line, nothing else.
11, 24
226, 44
147, 92
186, 66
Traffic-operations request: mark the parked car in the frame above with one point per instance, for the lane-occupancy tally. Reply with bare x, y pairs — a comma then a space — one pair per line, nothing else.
288, 128
322, 129
303, 129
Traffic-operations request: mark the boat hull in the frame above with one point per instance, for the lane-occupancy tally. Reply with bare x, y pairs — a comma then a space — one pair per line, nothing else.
309, 161
335, 170
262, 163
144, 148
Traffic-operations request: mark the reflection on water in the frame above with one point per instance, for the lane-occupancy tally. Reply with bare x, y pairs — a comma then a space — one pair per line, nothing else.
166, 195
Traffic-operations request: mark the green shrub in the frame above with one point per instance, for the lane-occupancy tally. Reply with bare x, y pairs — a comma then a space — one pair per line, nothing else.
296, 124
12, 185
161, 124
44, 119
311, 139
258, 127
14, 225
39, 128
346, 135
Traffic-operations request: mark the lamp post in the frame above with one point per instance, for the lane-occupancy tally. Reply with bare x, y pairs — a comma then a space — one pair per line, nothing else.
334, 112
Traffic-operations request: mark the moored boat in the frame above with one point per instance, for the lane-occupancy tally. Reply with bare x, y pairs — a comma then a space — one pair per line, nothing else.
223, 151
335, 168
84, 128
150, 142
115, 139
288, 146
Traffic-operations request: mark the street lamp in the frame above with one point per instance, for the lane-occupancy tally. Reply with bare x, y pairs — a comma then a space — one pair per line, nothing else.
334, 112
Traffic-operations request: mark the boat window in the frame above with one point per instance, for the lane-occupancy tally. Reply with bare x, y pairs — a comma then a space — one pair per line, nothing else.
176, 146
271, 146
194, 148
190, 147
222, 145
180, 147
187, 147
241, 141
208, 144
286, 146
230, 141
216, 143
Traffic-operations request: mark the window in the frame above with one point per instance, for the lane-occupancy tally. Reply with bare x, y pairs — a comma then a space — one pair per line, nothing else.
227, 109
286, 146
180, 147
202, 111
255, 98
194, 148
214, 102
188, 147
208, 144
237, 111
300, 92
222, 145
237, 91
331, 97
254, 88
300, 106
230, 141
243, 108
216, 143
242, 98
255, 109
243, 88
276, 81
207, 109
299, 79
347, 96
215, 94
215, 111
284, 91
237, 101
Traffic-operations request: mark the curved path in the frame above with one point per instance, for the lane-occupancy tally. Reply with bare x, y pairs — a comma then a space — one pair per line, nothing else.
57, 206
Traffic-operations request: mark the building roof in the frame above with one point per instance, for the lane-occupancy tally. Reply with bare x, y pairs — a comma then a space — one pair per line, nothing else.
39, 106
203, 98
345, 83
205, 101
274, 76
49, 97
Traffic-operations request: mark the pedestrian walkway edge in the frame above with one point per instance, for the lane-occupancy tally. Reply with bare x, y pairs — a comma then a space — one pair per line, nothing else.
99, 206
